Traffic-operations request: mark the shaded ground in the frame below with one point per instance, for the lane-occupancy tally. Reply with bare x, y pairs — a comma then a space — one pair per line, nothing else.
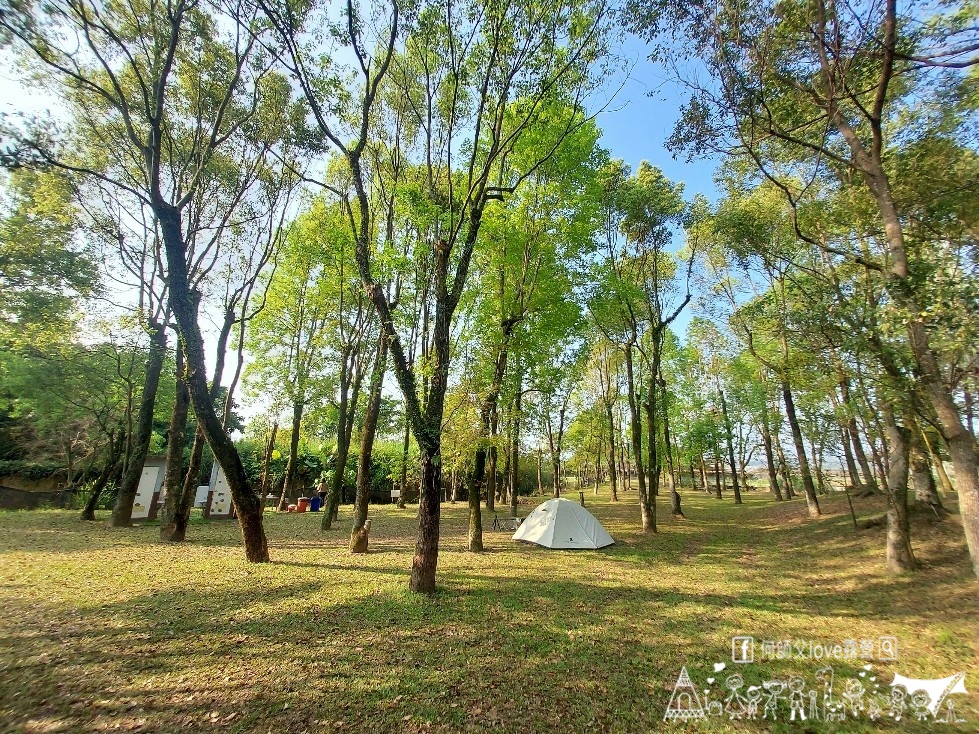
108, 630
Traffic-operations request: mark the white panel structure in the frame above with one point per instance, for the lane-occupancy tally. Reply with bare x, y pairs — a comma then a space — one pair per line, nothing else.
148, 484
220, 494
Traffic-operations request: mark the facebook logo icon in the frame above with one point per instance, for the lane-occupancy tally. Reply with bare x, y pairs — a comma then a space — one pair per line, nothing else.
742, 649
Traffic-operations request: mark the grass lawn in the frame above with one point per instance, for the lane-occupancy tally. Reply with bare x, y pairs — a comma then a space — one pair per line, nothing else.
106, 630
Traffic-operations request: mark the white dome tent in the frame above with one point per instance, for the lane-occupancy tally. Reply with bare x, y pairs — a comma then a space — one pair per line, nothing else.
561, 523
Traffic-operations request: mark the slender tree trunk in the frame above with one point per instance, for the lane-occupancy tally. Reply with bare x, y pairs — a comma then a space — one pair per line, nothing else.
718, 482
403, 484
784, 467
899, 555
292, 462
348, 408
869, 481
851, 465
247, 504
173, 478
878, 464
612, 474
766, 439
730, 446
181, 513
961, 445
854, 434
800, 449
491, 468
647, 518
653, 469
122, 513
817, 465
925, 489
936, 461
359, 531
675, 508
515, 448
266, 485
598, 464
540, 470
112, 465
476, 488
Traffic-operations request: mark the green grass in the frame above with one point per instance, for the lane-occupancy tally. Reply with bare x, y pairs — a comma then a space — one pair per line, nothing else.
110, 630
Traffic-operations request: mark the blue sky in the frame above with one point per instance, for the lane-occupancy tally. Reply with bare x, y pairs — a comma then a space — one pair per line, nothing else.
636, 127
641, 118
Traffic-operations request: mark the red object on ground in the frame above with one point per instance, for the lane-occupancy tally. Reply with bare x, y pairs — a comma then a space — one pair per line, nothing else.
303, 504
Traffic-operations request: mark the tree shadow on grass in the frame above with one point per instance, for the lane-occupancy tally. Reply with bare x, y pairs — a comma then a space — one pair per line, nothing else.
566, 655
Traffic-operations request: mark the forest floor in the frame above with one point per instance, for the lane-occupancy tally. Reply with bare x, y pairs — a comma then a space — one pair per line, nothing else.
105, 630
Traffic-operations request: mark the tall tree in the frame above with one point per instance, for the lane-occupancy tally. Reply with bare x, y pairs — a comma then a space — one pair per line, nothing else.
813, 91
132, 77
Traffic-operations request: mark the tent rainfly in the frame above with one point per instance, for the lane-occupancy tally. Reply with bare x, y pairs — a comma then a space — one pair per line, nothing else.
561, 523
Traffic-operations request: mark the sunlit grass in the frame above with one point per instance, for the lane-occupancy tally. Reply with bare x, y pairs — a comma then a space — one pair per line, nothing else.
108, 629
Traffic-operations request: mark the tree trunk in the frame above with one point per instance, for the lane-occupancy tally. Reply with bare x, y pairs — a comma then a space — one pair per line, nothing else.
878, 463
425, 561
122, 513
183, 303
491, 468
718, 484
899, 555
540, 471
800, 448
961, 442
515, 448
817, 465
936, 461
112, 465
359, 531
653, 469
476, 488
173, 479
925, 489
291, 463
181, 513
612, 474
730, 446
266, 486
349, 394
869, 481
854, 434
784, 467
403, 484
670, 456
851, 465
766, 439
647, 519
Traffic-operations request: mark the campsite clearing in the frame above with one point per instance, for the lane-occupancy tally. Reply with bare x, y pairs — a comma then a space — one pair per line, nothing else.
108, 629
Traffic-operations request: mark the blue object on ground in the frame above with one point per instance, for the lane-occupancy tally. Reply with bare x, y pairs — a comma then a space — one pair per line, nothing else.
315, 503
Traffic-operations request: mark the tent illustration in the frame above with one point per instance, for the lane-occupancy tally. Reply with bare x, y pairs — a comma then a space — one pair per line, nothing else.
684, 701
938, 689
561, 523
